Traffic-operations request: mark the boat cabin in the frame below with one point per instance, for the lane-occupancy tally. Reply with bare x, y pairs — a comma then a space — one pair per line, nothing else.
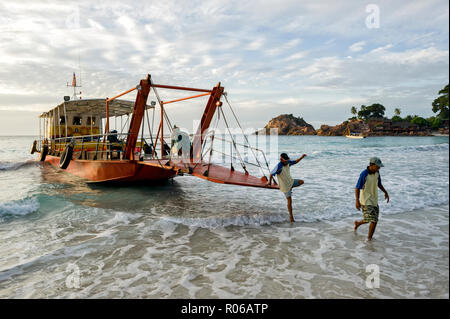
80, 117
82, 121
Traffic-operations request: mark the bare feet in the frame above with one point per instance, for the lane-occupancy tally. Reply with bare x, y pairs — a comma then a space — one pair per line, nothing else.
357, 224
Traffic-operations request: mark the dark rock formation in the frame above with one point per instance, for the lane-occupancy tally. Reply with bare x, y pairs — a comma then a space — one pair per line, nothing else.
375, 127
354, 126
287, 124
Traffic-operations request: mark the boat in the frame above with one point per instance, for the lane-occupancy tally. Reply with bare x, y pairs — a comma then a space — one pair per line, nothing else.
353, 135
75, 136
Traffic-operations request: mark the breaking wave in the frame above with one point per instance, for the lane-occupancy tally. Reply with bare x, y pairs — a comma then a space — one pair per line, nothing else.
19, 207
12, 166
379, 149
237, 220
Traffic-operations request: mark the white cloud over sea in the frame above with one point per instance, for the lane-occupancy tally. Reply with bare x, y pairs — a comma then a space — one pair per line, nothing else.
314, 59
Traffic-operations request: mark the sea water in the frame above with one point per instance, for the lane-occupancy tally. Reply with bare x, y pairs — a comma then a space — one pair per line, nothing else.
190, 238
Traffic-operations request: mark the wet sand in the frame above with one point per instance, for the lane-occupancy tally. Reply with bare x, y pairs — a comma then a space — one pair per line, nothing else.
131, 256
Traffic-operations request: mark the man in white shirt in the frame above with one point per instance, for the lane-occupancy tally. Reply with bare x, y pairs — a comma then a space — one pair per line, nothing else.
366, 193
285, 181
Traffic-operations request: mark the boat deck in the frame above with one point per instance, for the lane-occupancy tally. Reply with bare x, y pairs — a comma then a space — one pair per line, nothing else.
213, 173
103, 171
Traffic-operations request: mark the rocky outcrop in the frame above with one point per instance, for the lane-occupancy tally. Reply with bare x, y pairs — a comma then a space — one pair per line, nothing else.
354, 126
375, 127
327, 130
287, 124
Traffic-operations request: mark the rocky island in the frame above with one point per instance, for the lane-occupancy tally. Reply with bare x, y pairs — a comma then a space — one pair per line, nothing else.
371, 121
288, 124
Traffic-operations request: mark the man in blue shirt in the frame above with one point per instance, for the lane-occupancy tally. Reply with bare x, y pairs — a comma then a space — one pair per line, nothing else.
285, 181
366, 194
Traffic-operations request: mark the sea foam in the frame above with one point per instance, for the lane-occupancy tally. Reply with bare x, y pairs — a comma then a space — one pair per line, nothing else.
19, 207
12, 166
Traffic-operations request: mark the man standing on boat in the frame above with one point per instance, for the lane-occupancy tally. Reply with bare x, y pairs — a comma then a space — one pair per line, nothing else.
285, 181
366, 193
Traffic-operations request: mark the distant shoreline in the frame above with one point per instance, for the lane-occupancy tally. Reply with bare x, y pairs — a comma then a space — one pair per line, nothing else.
432, 135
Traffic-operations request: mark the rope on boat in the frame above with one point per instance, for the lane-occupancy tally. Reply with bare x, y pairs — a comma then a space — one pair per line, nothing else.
160, 104
210, 149
245, 136
212, 142
203, 151
165, 117
150, 128
234, 143
121, 130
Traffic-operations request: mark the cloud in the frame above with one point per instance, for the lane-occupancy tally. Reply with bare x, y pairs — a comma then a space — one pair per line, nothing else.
358, 46
307, 57
279, 48
296, 56
256, 44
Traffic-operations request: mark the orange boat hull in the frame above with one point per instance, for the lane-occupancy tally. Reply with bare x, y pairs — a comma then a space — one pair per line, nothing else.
114, 171
100, 171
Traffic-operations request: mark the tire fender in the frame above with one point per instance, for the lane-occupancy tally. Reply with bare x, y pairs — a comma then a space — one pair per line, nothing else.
66, 157
33, 147
44, 152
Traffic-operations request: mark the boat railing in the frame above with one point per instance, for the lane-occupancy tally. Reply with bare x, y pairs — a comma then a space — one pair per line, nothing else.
109, 146
238, 157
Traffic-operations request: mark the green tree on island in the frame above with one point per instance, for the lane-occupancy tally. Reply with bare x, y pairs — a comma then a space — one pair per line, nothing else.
354, 111
372, 111
434, 122
419, 121
440, 104
397, 117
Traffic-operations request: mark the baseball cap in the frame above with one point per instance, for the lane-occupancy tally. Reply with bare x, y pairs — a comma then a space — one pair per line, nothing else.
284, 156
376, 161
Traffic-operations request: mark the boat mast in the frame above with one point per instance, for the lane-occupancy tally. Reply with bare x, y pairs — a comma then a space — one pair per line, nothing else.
136, 117
208, 113
75, 86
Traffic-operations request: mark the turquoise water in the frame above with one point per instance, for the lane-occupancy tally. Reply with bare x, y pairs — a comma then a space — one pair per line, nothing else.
193, 238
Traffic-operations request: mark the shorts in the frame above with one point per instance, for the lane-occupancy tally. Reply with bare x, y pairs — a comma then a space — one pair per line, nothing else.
370, 213
289, 193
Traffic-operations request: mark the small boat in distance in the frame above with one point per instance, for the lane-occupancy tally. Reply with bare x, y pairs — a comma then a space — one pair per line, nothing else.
71, 139
354, 135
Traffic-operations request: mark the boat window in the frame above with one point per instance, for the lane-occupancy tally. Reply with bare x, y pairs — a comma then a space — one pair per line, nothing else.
62, 120
76, 120
90, 120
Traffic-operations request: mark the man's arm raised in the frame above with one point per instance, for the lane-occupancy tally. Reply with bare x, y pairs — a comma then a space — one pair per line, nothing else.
300, 158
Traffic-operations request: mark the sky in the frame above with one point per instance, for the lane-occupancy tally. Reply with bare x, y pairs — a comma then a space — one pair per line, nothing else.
314, 59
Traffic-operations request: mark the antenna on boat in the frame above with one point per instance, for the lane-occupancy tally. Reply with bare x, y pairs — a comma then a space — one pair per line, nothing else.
74, 80
79, 66
75, 86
